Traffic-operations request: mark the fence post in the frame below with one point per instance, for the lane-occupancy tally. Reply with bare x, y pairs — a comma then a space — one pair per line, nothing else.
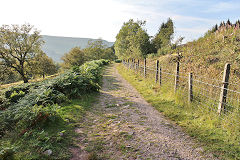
138, 63
160, 75
190, 88
176, 77
157, 67
223, 94
133, 64
145, 67
130, 63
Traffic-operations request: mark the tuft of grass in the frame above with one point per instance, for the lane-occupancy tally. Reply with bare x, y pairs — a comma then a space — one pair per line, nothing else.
200, 123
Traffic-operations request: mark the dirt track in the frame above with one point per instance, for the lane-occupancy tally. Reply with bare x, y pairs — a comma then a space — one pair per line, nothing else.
122, 125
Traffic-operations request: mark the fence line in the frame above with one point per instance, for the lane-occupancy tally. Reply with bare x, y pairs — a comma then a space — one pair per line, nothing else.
222, 99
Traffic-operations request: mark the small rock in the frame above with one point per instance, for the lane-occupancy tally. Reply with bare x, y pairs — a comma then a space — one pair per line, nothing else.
117, 105
48, 152
108, 138
130, 133
79, 131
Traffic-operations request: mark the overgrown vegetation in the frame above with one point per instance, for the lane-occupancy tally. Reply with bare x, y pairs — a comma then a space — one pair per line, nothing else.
34, 117
217, 135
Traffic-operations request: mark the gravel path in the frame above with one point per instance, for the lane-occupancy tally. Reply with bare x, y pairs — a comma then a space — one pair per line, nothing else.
122, 125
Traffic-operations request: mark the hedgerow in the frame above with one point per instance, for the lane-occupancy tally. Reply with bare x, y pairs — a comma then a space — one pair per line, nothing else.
28, 106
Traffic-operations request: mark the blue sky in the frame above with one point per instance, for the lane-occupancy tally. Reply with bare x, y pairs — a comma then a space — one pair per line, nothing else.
103, 19
192, 18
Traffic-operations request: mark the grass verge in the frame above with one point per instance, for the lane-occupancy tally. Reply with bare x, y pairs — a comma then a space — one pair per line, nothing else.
198, 122
56, 135
4, 86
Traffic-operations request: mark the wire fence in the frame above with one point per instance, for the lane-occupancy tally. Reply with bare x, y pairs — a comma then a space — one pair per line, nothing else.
218, 96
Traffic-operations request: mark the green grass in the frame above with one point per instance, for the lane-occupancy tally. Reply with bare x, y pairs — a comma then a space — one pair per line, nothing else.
215, 135
57, 135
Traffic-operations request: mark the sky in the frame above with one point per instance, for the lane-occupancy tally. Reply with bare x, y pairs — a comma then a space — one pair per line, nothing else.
104, 18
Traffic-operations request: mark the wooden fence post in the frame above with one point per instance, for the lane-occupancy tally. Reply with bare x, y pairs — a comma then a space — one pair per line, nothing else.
223, 94
133, 63
190, 88
134, 66
130, 63
157, 67
145, 67
138, 64
176, 77
160, 75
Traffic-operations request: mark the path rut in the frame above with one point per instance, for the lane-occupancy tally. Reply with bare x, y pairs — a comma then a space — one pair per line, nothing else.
122, 125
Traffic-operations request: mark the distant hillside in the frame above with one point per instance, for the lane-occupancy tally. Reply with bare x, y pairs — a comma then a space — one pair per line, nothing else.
55, 46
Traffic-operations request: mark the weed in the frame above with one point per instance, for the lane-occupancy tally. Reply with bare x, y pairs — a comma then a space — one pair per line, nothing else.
111, 105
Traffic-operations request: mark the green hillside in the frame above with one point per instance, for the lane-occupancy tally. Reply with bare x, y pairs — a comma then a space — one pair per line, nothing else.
55, 46
208, 55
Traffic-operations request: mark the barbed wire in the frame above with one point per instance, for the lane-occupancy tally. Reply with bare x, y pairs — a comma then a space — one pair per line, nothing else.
200, 93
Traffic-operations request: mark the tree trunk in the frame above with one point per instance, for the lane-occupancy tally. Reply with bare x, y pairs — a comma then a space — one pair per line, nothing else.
21, 71
25, 80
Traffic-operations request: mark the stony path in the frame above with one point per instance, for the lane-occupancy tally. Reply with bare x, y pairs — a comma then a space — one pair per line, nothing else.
122, 125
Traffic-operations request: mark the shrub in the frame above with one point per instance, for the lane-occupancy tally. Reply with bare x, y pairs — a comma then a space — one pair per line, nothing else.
26, 105
118, 60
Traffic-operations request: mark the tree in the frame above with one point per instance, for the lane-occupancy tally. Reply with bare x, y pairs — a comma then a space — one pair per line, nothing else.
109, 54
95, 49
98, 50
132, 41
8, 75
43, 65
229, 22
75, 57
18, 46
164, 36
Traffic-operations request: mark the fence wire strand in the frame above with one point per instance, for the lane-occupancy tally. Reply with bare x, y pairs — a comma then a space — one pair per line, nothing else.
206, 90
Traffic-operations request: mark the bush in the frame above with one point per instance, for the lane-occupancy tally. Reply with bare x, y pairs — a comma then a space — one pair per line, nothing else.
27, 105
118, 60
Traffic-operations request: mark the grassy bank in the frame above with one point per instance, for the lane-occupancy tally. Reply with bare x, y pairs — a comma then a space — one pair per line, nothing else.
37, 119
214, 134
4, 86
56, 134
